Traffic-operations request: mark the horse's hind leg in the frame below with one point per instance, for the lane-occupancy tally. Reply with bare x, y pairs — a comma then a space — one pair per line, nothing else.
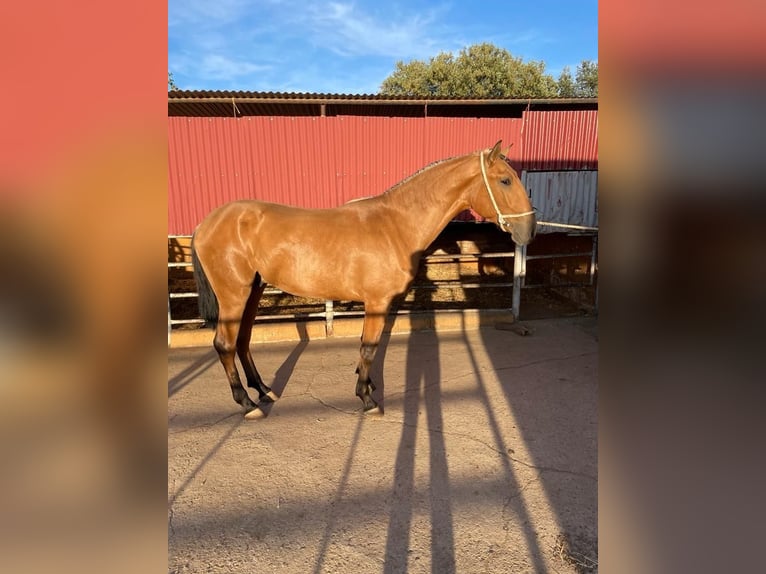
226, 334
254, 380
374, 321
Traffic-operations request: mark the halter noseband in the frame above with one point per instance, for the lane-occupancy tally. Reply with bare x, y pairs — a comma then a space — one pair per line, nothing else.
500, 216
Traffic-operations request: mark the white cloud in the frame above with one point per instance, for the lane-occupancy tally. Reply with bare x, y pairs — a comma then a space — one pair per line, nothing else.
215, 71
204, 12
286, 45
217, 66
532, 36
348, 30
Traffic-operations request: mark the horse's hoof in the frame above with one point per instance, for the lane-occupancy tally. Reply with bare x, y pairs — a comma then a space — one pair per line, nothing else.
255, 414
270, 396
373, 411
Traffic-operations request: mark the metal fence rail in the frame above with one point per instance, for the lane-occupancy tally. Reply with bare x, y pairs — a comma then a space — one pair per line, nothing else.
519, 256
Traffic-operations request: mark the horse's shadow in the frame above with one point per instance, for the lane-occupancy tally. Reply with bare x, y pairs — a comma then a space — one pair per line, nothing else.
376, 369
285, 371
422, 391
422, 304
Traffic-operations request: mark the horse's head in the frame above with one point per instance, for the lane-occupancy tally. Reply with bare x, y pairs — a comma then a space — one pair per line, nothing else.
502, 198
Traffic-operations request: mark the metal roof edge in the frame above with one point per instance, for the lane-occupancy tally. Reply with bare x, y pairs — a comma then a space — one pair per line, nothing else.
188, 96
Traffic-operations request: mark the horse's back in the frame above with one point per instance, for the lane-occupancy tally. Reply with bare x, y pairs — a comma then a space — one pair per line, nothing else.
339, 253
255, 229
229, 213
226, 225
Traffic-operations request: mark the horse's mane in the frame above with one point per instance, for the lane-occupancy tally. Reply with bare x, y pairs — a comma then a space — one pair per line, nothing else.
429, 166
421, 170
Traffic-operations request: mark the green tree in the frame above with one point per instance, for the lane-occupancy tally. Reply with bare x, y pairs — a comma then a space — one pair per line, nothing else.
586, 80
171, 82
565, 84
479, 71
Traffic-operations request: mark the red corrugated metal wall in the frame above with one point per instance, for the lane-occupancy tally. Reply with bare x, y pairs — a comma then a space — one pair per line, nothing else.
326, 161
556, 141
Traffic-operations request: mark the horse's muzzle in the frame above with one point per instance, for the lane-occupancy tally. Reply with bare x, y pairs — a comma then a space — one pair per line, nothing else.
523, 233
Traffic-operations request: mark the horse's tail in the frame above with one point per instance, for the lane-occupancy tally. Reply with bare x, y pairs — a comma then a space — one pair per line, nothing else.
207, 301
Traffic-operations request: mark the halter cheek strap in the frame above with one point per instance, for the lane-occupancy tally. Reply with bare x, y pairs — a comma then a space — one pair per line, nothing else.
500, 216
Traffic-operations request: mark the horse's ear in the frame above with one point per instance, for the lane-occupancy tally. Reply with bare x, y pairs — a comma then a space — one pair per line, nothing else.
508, 150
494, 153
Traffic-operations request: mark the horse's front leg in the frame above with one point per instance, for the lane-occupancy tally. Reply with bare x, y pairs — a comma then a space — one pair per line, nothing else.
374, 321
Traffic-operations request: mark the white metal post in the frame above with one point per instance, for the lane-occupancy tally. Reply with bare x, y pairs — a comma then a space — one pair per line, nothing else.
592, 270
328, 315
518, 274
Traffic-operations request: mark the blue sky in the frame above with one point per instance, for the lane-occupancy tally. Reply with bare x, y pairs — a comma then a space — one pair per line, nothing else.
351, 46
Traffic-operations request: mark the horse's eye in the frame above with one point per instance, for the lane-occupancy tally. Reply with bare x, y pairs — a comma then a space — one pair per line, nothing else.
506, 181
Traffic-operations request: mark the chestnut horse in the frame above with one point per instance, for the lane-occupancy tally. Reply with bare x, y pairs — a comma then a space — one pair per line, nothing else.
367, 251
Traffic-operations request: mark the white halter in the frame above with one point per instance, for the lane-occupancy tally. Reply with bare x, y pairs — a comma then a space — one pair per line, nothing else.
500, 216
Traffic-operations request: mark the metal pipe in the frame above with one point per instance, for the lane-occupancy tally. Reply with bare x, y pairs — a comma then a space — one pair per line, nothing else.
466, 256
328, 313
185, 321
516, 296
559, 255
523, 265
592, 269
456, 283
556, 286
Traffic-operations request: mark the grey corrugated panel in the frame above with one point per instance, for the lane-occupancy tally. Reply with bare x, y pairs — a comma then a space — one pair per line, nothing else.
569, 197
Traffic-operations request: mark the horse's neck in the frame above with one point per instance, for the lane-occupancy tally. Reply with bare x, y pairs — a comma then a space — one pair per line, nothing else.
428, 201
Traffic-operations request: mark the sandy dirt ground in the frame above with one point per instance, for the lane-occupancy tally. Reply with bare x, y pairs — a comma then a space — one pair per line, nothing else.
485, 460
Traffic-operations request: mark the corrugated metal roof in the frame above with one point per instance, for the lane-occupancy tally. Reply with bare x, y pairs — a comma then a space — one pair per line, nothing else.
239, 103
